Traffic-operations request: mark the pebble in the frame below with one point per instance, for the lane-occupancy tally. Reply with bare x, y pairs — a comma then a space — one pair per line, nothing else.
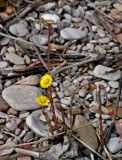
12, 122
23, 115
3, 105
100, 72
27, 59
70, 90
114, 145
28, 136
66, 101
7, 83
3, 64
17, 131
101, 33
12, 111
19, 29
15, 59
22, 133
36, 125
104, 40
4, 41
83, 92
113, 84
11, 49
60, 94
21, 97
32, 80
39, 40
72, 33
104, 116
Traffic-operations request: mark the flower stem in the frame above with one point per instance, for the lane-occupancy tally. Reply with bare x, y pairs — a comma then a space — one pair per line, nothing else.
52, 105
61, 109
49, 47
49, 65
100, 118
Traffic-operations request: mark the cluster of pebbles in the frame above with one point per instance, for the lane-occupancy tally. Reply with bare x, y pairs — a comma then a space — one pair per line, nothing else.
21, 118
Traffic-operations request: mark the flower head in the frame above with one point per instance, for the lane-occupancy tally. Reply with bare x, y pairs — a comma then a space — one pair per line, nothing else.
49, 18
46, 81
43, 101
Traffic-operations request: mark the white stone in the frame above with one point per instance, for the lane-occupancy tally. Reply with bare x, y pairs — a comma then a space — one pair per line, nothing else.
83, 92
3, 64
36, 125
113, 84
39, 40
19, 29
72, 33
114, 145
15, 59
100, 72
66, 101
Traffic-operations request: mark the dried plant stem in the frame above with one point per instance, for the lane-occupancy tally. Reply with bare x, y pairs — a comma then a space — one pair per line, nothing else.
61, 109
52, 105
100, 118
48, 120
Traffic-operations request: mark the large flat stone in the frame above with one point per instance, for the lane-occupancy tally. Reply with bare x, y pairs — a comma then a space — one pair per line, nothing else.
101, 71
21, 97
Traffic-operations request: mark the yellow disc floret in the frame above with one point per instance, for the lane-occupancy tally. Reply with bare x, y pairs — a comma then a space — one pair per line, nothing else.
46, 81
43, 101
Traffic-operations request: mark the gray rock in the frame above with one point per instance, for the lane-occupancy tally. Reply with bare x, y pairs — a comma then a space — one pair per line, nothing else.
100, 71
104, 40
83, 92
11, 49
36, 125
114, 145
8, 83
19, 29
113, 84
39, 40
115, 49
66, 101
104, 116
70, 90
72, 33
3, 64
101, 33
28, 136
21, 97
15, 59
4, 41
47, 6
12, 122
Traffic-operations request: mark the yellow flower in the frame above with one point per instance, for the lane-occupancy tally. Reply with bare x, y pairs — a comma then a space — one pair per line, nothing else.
46, 81
43, 101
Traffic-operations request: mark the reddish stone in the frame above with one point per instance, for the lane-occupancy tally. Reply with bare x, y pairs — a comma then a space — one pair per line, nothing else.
28, 146
24, 158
